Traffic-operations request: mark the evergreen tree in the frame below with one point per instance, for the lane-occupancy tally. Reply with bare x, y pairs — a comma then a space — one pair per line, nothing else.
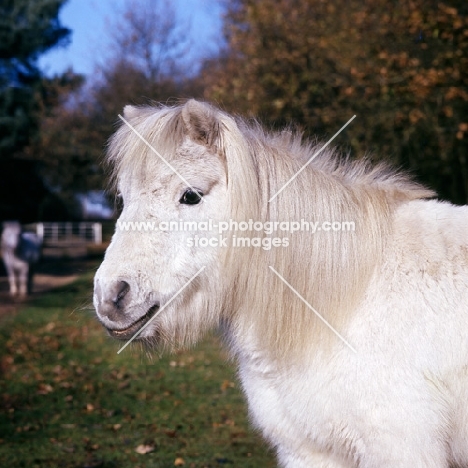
28, 28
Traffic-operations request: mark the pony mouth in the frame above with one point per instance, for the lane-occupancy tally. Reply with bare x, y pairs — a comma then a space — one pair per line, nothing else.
129, 332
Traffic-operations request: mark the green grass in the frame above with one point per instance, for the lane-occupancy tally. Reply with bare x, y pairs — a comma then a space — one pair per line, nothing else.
68, 400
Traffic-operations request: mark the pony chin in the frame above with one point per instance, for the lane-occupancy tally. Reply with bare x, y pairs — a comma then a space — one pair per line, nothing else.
181, 325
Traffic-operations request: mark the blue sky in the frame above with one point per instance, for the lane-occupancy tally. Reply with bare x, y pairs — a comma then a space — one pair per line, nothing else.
91, 20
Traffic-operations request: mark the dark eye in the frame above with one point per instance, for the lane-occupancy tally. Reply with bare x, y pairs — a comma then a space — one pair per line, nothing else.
191, 197
118, 201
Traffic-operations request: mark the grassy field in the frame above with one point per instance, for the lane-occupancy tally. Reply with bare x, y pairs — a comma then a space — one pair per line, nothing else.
68, 400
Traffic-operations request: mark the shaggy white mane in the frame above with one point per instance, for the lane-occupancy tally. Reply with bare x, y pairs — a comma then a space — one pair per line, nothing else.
330, 269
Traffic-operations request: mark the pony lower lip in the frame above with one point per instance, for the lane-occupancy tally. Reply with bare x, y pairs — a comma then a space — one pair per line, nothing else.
128, 332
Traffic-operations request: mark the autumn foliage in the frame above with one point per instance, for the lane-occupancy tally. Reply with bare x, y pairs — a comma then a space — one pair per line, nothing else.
400, 66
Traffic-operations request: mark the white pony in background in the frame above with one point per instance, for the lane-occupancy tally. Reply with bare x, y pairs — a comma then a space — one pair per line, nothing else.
352, 346
20, 252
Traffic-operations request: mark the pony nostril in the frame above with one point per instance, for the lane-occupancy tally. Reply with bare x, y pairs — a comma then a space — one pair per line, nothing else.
112, 299
122, 288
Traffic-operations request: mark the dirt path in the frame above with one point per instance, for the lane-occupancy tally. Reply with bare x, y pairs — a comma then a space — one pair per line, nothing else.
50, 274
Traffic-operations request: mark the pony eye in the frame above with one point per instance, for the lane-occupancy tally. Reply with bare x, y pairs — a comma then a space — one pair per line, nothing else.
118, 201
191, 197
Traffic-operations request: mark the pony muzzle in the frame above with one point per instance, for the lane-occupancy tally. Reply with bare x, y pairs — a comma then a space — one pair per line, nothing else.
119, 310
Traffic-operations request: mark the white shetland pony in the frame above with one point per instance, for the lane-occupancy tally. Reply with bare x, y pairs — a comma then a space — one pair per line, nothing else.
352, 345
20, 251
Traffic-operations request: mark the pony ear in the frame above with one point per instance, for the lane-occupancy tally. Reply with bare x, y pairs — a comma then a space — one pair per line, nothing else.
130, 111
201, 122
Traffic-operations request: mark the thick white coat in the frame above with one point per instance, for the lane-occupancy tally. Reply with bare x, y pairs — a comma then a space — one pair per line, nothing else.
396, 289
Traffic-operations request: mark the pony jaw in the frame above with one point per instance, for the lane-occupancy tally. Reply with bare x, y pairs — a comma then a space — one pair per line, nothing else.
135, 327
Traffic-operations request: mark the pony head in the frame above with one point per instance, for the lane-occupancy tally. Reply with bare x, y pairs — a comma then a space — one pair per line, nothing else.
170, 172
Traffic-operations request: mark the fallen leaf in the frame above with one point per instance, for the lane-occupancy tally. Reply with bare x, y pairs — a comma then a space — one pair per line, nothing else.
227, 384
124, 384
44, 389
143, 449
170, 433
